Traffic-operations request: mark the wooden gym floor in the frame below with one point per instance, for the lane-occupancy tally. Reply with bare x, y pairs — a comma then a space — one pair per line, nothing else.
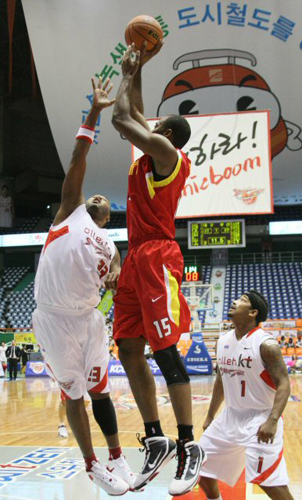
35, 464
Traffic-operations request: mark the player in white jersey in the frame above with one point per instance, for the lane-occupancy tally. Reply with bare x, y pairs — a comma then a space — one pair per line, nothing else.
76, 260
252, 379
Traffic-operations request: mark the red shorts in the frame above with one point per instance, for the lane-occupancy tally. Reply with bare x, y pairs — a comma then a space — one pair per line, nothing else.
149, 301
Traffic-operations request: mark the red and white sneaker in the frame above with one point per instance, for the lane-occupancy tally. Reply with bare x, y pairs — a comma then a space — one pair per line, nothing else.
120, 467
112, 484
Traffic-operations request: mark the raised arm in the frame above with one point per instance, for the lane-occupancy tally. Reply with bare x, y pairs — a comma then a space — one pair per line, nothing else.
72, 194
274, 363
136, 97
156, 145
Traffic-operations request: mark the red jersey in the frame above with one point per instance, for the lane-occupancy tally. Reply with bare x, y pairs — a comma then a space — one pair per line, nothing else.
152, 205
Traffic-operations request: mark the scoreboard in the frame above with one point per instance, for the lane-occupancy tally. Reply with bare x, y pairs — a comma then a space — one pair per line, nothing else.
192, 273
216, 234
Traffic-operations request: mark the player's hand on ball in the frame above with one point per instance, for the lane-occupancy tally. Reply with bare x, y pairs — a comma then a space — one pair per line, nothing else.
267, 431
101, 92
111, 281
146, 56
131, 61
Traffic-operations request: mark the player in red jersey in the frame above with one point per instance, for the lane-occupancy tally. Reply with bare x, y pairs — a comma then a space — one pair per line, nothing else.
149, 304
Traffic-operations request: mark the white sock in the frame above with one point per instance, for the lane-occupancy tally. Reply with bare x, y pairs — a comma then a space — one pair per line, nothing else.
219, 498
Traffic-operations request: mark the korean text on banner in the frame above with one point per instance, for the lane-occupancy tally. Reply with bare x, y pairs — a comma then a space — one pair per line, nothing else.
231, 169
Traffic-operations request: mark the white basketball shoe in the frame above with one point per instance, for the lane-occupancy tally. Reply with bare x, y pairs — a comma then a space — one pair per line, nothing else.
190, 457
112, 484
120, 467
62, 431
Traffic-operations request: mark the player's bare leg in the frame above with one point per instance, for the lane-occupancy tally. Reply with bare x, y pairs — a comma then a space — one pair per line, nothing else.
78, 420
277, 492
159, 449
105, 416
79, 423
181, 399
62, 431
132, 357
112, 440
210, 487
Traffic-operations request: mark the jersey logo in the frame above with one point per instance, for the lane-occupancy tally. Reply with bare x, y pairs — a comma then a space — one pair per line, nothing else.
54, 235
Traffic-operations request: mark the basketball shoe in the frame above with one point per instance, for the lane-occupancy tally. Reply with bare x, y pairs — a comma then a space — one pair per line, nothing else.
120, 467
62, 431
113, 485
190, 457
159, 451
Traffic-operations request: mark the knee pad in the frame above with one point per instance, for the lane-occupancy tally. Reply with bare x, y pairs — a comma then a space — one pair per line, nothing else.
171, 366
104, 414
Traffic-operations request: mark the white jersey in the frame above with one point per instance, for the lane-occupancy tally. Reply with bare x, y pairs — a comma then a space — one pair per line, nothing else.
73, 264
246, 382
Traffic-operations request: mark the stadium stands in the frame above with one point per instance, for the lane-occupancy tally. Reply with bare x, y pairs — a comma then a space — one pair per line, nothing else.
279, 282
21, 226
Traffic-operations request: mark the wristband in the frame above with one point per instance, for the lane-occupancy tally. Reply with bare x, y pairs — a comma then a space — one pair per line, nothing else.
85, 133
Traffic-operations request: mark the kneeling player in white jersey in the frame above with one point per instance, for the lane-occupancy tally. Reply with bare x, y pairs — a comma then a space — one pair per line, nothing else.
77, 259
253, 380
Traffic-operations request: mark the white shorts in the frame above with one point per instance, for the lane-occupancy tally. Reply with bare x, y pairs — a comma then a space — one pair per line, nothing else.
231, 444
75, 350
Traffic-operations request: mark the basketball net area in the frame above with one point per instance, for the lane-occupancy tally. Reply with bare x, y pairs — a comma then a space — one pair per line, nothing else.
199, 298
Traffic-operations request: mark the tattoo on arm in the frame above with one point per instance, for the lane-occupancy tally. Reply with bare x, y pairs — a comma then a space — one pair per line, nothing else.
274, 362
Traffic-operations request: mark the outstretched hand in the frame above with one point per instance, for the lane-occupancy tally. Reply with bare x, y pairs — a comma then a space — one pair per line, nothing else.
101, 92
131, 61
146, 56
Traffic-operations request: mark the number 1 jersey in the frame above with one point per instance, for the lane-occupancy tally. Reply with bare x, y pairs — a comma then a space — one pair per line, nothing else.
246, 382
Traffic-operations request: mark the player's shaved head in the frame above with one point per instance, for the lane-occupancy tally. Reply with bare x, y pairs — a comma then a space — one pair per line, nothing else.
180, 129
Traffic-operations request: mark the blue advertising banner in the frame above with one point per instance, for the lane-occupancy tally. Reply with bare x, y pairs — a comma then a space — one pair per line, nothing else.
197, 361
35, 369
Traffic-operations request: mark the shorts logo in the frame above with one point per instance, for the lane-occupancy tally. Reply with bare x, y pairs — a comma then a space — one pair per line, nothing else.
66, 385
157, 298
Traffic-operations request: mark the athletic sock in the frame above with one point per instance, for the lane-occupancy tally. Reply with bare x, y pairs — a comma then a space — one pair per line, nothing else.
219, 498
88, 462
153, 429
185, 432
115, 453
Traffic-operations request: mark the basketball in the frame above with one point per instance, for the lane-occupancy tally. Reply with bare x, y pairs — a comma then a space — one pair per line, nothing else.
142, 28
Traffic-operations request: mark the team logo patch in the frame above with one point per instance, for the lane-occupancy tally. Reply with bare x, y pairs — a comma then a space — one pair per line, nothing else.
248, 196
